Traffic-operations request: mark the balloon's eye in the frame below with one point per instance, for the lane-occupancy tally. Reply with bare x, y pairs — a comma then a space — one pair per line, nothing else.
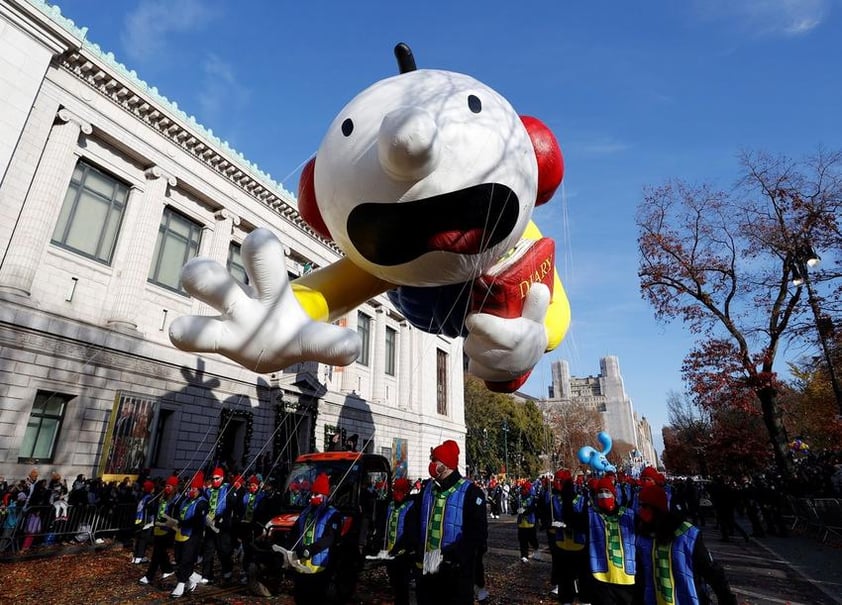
474, 104
347, 127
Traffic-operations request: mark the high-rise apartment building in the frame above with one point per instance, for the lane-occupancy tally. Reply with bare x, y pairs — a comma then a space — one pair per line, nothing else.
606, 394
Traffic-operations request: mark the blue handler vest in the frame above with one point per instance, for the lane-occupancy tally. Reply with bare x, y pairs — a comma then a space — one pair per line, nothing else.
396, 516
668, 570
526, 519
311, 527
186, 512
565, 537
612, 546
447, 529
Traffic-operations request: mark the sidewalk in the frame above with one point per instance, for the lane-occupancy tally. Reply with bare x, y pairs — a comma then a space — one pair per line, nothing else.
796, 570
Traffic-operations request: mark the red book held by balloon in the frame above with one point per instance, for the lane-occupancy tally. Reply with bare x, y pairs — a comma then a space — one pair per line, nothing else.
502, 290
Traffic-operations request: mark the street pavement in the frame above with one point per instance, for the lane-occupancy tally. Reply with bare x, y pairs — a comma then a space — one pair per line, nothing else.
796, 570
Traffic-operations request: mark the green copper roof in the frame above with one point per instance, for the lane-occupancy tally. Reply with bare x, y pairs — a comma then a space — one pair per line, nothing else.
54, 13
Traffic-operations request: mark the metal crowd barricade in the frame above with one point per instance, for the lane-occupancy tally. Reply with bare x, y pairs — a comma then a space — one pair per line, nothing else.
40, 526
829, 512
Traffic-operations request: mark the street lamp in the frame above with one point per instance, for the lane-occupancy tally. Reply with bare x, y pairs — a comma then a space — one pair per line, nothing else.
806, 257
506, 444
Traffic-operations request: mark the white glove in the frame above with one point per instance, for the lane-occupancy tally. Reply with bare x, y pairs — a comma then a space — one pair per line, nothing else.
501, 349
265, 330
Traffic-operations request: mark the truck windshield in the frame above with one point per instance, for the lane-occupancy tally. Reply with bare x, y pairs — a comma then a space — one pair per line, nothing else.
344, 476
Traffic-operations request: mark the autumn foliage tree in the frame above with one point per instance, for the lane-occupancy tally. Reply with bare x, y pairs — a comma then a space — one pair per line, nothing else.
570, 426
723, 263
499, 427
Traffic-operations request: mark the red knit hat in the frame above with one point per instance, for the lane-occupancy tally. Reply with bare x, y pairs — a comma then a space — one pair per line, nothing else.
649, 472
401, 487
605, 483
198, 481
172, 480
148, 486
218, 472
654, 496
253, 479
447, 453
321, 485
562, 475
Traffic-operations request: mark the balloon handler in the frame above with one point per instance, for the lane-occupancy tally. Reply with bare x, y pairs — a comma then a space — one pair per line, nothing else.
426, 181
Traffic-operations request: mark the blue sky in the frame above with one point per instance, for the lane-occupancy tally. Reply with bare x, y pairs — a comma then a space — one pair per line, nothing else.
636, 93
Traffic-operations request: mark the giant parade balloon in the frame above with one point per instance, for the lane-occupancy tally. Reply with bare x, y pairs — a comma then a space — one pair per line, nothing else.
426, 181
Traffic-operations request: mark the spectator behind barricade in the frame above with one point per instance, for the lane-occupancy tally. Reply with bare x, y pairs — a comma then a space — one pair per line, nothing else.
78, 495
58, 496
13, 502
36, 505
30, 481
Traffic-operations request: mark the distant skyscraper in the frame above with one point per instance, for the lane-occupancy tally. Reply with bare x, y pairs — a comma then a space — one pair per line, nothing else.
606, 394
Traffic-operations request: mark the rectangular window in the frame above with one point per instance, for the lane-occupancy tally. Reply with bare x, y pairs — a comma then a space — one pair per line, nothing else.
178, 242
391, 341
364, 330
235, 264
39, 441
441, 382
92, 212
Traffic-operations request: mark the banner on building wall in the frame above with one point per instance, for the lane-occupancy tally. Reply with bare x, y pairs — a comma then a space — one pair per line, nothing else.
399, 464
129, 436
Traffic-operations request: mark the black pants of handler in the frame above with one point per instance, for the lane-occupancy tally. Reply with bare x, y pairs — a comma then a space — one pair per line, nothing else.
451, 586
603, 593
160, 556
571, 569
311, 589
142, 540
186, 555
220, 544
400, 574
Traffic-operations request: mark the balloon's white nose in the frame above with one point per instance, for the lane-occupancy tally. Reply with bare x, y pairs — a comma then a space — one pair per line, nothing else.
407, 144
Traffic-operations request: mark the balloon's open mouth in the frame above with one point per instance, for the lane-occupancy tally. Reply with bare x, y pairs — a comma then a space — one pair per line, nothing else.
468, 221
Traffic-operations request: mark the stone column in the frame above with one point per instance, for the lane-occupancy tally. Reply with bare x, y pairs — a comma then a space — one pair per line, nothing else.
214, 245
221, 238
143, 219
38, 215
378, 361
405, 373
348, 376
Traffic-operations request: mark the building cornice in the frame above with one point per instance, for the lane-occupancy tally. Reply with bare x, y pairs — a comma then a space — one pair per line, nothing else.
102, 72
182, 130
44, 23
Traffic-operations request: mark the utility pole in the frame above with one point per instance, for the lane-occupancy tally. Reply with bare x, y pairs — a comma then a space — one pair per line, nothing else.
806, 257
506, 444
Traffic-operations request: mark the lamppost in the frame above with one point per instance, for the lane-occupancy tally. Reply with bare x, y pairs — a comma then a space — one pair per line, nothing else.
806, 257
506, 444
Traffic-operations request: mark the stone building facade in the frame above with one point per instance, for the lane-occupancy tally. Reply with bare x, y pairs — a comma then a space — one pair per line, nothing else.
106, 189
606, 394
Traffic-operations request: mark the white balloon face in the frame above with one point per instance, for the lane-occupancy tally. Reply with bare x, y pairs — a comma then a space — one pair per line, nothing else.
426, 178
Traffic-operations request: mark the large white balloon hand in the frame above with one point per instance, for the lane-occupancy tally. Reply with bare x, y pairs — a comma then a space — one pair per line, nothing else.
501, 349
265, 330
